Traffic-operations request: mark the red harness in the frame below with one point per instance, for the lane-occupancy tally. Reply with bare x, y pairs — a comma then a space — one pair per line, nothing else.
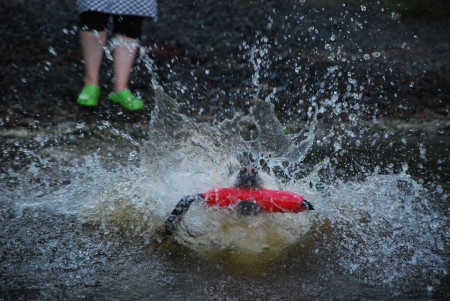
269, 200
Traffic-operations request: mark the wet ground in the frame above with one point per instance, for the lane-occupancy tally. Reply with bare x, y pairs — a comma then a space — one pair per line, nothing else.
202, 56
387, 67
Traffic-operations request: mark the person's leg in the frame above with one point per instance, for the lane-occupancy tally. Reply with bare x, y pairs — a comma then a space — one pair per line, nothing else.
127, 30
93, 37
93, 44
125, 49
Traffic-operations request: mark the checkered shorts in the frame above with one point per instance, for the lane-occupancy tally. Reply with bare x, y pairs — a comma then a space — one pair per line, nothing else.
144, 8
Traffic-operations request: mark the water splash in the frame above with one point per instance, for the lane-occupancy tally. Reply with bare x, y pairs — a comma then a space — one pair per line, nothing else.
384, 226
384, 229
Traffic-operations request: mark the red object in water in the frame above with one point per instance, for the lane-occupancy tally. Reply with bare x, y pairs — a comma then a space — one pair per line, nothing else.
269, 200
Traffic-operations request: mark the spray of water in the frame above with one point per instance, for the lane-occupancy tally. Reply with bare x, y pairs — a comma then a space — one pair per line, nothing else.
382, 226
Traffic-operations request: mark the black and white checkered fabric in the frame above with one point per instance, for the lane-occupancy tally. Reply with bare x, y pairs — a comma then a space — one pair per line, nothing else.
145, 8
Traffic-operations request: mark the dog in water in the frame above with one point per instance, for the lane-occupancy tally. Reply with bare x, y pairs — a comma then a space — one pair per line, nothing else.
248, 178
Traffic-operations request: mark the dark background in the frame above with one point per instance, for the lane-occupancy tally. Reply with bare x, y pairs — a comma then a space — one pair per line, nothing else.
201, 58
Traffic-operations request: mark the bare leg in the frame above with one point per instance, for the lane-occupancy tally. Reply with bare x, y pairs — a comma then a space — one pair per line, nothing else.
124, 57
92, 45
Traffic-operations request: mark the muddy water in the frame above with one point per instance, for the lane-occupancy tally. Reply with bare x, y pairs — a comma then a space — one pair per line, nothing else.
82, 203
81, 216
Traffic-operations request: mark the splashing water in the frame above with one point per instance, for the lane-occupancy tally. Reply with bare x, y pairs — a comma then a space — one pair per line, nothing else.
383, 229
91, 209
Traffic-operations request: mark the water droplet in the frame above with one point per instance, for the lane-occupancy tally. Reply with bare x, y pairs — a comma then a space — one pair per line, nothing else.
52, 51
366, 56
132, 155
337, 146
423, 151
363, 8
376, 54
405, 167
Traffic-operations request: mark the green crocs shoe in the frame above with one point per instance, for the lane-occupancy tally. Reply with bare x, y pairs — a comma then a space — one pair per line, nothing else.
89, 96
127, 100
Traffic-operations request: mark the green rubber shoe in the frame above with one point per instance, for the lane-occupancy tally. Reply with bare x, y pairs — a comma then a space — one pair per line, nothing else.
127, 100
89, 96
